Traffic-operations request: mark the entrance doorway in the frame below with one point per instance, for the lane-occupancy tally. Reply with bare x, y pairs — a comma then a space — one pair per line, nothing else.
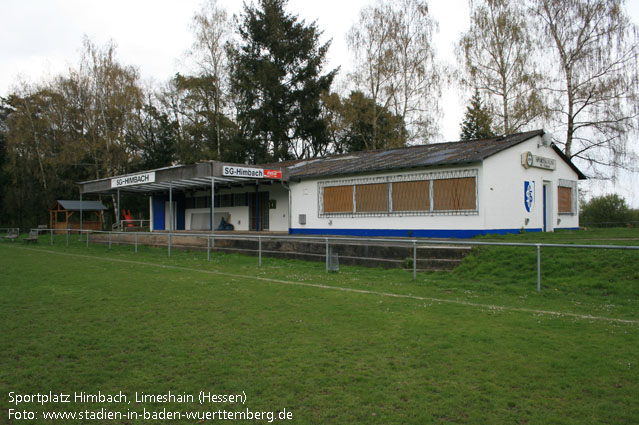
547, 198
260, 222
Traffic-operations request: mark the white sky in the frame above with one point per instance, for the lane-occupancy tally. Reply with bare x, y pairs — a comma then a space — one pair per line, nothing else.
40, 39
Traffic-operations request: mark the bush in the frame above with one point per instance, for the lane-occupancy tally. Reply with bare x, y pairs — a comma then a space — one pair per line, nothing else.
606, 211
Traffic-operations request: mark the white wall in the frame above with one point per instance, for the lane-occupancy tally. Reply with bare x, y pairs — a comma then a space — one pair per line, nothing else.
502, 193
239, 216
278, 217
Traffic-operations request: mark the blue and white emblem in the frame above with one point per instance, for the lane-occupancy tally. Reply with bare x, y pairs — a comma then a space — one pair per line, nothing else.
529, 195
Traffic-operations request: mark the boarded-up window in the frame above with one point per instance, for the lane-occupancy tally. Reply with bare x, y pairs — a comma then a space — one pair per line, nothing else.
338, 199
372, 197
411, 196
454, 194
565, 199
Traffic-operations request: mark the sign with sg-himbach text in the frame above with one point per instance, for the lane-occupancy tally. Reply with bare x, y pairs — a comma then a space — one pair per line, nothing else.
133, 179
256, 173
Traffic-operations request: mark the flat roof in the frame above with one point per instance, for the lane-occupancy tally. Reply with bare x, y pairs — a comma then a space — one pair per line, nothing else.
71, 205
186, 177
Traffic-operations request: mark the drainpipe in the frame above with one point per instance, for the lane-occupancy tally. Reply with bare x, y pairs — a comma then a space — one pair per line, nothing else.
290, 222
212, 209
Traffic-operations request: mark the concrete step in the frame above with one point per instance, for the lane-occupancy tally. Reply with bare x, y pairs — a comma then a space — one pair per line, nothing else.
370, 254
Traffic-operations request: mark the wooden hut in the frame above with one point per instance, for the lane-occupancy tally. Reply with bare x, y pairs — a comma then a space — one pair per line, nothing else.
66, 215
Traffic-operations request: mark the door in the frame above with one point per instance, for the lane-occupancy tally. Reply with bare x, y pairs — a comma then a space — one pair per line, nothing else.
260, 210
547, 207
544, 208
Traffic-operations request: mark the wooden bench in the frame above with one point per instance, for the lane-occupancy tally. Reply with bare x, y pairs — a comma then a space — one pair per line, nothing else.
12, 235
33, 236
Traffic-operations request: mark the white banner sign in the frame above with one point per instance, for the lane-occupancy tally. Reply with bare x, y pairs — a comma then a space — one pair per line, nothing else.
133, 179
256, 173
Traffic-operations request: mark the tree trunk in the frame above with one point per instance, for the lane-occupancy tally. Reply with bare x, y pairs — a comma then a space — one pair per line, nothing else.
571, 119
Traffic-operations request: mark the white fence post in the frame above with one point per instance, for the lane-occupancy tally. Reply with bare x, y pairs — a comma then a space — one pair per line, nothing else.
414, 260
538, 268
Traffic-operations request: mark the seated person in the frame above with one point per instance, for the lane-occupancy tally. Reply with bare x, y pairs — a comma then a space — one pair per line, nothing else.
224, 225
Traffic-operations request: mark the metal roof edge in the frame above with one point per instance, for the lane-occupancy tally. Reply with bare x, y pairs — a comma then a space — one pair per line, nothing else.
527, 135
382, 170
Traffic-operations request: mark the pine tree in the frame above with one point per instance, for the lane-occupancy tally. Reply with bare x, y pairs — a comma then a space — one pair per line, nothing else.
477, 123
277, 82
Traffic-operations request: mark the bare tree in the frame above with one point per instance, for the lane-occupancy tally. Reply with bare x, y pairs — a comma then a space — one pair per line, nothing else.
497, 58
211, 28
104, 99
396, 66
592, 50
107, 96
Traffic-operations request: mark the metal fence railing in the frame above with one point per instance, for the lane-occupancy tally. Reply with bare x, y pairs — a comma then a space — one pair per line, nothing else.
123, 225
610, 224
86, 235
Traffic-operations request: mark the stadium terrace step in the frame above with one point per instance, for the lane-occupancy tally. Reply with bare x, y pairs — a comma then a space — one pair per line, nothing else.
370, 253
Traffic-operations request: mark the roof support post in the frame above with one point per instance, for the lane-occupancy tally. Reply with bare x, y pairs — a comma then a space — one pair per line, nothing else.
212, 209
80, 214
170, 218
170, 207
151, 218
118, 213
257, 206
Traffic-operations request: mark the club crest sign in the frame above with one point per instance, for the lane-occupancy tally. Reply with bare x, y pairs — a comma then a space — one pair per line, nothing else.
529, 195
529, 160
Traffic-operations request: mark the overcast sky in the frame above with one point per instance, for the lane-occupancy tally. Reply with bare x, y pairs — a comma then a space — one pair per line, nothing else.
42, 38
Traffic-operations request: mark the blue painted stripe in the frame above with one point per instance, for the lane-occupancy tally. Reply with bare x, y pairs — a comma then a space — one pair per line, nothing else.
410, 233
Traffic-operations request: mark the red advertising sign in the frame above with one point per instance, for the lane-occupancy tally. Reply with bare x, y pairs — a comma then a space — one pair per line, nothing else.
273, 174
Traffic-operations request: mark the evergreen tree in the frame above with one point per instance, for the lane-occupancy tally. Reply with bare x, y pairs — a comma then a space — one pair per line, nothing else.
277, 84
157, 134
390, 131
477, 123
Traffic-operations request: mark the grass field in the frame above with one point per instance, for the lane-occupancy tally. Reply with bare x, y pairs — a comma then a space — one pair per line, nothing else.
476, 346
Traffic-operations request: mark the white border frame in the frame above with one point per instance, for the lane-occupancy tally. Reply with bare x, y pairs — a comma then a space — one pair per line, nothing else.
430, 176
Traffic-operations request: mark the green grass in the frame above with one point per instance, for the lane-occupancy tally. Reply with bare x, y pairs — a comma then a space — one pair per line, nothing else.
78, 319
